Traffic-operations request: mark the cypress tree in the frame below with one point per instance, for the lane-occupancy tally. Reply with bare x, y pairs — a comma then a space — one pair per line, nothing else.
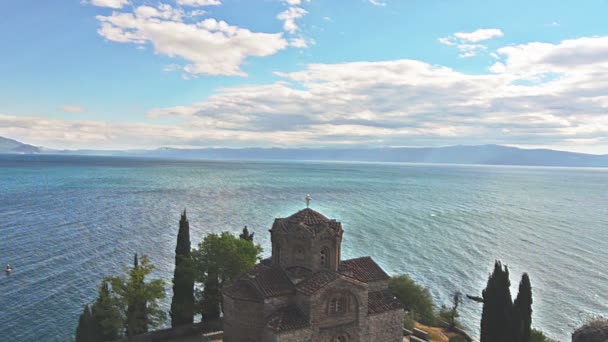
523, 310
86, 330
106, 314
497, 313
245, 235
210, 304
182, 304
137, 316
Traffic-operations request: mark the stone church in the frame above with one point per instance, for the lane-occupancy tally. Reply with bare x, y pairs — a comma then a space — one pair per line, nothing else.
306, 292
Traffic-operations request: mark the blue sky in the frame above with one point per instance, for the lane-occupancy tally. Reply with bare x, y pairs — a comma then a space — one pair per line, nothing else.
298, 73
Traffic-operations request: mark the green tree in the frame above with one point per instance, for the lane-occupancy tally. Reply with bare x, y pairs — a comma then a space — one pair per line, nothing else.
522, 309
245, 235
106, 313
450, 315
86, 330
415, 298
539, 336
497, 313
138, 298
182, 303
219, 259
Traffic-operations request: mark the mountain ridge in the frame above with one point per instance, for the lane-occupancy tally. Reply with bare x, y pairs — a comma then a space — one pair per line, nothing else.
458, 154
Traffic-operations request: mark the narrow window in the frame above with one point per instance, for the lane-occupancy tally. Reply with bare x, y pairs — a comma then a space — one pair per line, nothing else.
278, 257
324, 262
337, 305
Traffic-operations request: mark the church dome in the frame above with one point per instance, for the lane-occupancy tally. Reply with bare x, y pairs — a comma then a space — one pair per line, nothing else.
309, 217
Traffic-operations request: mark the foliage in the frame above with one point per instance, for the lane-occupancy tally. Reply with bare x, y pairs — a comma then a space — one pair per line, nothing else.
415, 298
107, 315
86, 330
539, 336
211, 299
596, 329
219, 259
408, 321
245, 235
450, 314
522, 309
496, 317
503, 320
137, 298
182, 303
458, 338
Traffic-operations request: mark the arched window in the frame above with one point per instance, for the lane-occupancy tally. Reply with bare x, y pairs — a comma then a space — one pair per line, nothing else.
324, 258
337, 305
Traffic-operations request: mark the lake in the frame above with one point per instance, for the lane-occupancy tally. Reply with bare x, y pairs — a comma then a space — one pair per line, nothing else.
67, 221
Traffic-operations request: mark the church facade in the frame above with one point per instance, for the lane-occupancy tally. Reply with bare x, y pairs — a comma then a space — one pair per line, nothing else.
306, 292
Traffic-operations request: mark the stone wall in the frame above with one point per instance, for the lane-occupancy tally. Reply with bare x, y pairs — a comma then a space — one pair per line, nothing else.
386, 326
242, 319
352, 322
300, 335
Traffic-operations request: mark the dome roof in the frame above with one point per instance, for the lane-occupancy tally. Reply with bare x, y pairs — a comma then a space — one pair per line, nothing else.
308, 217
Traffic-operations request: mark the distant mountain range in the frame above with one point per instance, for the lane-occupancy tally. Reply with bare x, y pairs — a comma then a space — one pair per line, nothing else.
13, 146
481, 154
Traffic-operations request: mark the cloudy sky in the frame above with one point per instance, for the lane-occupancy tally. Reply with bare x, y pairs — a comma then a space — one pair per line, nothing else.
304, 73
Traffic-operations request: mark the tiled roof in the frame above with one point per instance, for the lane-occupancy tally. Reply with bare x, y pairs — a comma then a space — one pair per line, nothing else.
316, 282
289, 318
382, 301
308, 220
242, 289
266, 281
363, 269
308, 217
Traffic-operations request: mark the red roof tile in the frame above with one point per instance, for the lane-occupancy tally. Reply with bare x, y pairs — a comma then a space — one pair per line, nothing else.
289, 318
363, 269
382, 301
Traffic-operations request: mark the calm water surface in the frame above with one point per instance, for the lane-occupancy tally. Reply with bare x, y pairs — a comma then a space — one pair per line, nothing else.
65, 222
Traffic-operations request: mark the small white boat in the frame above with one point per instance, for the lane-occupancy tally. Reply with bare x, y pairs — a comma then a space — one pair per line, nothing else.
8, 269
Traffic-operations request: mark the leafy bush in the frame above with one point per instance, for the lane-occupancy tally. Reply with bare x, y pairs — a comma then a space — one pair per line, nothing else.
539, 336
416, 299
409, 322
458, 338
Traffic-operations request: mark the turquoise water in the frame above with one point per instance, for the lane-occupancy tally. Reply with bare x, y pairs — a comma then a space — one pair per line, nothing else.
65, 222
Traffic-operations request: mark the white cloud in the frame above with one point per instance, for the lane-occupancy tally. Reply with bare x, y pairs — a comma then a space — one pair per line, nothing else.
301, 42
466, 42
543, 95
479, 35
210, 46
294, 2
377, 3
199, 3
110, 3
289, 17
73, 109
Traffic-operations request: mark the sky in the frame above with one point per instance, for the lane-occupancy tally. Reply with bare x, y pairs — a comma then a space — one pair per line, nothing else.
133, 74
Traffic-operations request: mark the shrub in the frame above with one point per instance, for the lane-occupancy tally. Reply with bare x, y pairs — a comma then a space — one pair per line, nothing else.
408, 322
458, 338
416, 299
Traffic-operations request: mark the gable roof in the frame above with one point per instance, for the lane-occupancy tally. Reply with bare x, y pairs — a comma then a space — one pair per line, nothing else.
382, 301
264, 280
321, 279
362, 269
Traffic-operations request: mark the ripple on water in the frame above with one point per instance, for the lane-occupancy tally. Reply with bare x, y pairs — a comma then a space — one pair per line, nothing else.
67, 223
